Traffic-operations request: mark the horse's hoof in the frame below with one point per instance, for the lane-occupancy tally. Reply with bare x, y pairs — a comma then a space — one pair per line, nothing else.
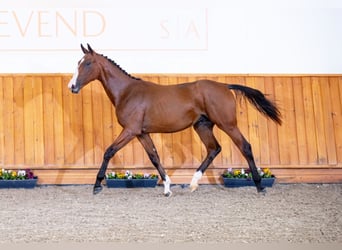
97, 189
193, 187
168, 194
262, 190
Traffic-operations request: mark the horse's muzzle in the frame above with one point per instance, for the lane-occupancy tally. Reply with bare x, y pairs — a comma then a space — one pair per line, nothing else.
75, 89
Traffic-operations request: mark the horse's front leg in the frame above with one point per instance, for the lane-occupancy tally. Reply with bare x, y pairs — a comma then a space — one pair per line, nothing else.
124, 137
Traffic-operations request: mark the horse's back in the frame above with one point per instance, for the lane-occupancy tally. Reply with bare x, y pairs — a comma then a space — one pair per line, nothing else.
204, 94
198, 92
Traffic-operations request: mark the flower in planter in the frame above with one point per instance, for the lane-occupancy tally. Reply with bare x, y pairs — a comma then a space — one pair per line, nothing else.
16, 174
246, 173
130, 175
265, 173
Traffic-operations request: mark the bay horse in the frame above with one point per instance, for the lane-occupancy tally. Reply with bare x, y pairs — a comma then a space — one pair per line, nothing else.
144, 107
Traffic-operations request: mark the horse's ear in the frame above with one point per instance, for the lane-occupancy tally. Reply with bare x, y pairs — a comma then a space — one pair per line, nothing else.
90, 49
85, 51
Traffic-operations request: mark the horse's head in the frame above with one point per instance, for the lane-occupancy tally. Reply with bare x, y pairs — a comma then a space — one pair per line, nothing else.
87, 70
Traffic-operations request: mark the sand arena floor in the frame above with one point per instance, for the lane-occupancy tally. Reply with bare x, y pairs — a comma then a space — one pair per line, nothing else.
294, 213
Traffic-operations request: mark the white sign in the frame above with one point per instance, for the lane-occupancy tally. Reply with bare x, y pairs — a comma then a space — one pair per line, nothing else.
41, 29
196, 37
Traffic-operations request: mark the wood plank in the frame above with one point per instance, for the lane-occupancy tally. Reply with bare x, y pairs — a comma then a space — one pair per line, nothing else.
8, 121
69, 118
48, 121
322, 157
18, 116
309, 116
38, 121
29, 121
328, 121
292, 133
87, 126
307, 175
284, 152
58, 127
300, 120
336, 112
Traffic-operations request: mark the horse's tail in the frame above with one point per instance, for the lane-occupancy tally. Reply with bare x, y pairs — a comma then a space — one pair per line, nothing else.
258, 99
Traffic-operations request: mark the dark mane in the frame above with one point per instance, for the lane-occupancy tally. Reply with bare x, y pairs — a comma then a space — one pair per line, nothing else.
118, 66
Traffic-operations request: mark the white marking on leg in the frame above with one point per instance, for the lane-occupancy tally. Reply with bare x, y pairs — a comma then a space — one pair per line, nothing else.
72, 82
167, 183
194, 182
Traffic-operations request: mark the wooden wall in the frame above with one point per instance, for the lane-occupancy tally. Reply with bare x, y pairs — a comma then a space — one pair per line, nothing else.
63, 136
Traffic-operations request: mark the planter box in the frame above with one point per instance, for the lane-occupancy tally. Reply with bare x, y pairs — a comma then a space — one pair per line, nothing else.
131, 183
28, 183
235, 182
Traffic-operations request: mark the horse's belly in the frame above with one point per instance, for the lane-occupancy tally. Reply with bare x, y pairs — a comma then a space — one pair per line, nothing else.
168, 123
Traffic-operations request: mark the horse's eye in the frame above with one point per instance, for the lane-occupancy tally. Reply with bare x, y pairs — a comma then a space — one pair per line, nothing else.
88, 63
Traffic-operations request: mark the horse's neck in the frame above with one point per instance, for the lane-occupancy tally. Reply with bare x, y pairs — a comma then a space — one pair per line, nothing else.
115, 82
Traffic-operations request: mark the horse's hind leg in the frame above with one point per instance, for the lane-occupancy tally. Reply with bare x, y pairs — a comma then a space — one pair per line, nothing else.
246, 150
204, 128
151, 151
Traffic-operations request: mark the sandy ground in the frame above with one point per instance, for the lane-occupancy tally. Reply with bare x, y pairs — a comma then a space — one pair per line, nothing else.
213, 214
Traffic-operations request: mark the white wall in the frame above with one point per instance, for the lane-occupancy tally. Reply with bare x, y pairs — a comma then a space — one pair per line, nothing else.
153, 36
